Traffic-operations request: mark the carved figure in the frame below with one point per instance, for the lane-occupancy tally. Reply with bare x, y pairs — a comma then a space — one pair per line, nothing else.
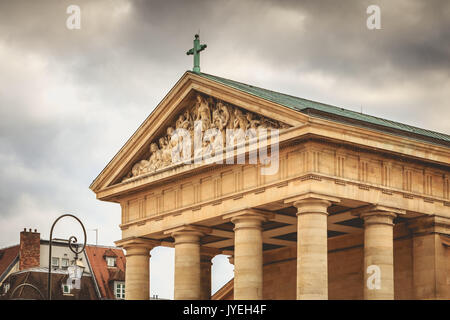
203, 113
240, 122
140, 168
221, 116
189, 122
155, 161
180, 121
252, 123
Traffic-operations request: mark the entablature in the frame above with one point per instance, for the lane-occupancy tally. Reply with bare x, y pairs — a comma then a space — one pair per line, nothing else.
212, 192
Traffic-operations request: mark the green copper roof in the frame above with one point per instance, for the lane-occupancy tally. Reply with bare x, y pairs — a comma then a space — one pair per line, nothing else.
322, 110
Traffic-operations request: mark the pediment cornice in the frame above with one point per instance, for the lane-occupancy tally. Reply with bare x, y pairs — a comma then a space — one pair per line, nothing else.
175, 103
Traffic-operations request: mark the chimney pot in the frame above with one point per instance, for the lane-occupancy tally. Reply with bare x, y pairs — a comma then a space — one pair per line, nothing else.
29, 230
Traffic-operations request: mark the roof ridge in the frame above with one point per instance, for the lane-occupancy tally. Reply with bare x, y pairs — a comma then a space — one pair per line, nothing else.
65, 242
253, 86
9, 247
54, 242
102, 246
45, 270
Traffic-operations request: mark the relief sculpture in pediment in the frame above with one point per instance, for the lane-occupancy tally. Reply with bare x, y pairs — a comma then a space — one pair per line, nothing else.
209, 113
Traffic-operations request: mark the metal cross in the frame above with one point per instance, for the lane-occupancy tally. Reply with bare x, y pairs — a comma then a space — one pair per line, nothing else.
196, 52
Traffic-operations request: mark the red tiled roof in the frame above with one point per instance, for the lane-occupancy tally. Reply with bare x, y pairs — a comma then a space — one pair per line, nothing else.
38, 279
105, 276
109, 253
7, 256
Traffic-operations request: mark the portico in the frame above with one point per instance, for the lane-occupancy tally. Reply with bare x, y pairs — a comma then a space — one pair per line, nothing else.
352, 211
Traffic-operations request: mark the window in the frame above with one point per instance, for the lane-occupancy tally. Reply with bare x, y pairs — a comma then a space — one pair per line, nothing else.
119, 290
55, 262
6, 288
110, 261
66, 289
64, 262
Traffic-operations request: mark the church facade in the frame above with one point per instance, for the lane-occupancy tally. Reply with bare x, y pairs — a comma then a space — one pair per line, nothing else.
338, 205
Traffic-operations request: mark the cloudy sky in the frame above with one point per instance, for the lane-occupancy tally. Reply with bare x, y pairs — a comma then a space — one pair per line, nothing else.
69, 99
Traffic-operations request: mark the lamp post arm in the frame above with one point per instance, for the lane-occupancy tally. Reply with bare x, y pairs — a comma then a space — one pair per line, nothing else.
27, 285
72, 241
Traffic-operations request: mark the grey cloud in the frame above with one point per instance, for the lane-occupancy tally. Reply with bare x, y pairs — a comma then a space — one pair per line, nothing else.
128, 54
70, 99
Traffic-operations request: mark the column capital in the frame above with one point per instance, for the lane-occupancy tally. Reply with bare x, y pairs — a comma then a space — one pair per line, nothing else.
137, 242
298, 200
378, 214
248, 213
186, 230
377, 208
378, 217
311, 203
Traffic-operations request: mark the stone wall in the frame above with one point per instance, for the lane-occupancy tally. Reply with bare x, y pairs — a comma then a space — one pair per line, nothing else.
279, 275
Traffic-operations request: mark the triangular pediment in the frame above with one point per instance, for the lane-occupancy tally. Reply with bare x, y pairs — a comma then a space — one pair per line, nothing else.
192, 99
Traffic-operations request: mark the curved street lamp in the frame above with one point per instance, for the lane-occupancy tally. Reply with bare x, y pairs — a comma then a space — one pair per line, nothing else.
27, 285
72, 241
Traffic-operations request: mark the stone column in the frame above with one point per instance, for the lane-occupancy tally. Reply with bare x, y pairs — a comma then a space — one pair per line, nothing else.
187, 264
248, 255
378, 254
312, 248
205, 272
137, 271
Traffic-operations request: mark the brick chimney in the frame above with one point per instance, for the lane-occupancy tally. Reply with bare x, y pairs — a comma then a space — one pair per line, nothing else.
30, 249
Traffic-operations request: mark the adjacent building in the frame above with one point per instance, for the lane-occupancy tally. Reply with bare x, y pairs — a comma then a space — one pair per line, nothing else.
103, 270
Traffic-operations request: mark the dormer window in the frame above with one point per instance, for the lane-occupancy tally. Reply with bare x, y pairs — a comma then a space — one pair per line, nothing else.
66, 289
55, 262
111, 262
64, 263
